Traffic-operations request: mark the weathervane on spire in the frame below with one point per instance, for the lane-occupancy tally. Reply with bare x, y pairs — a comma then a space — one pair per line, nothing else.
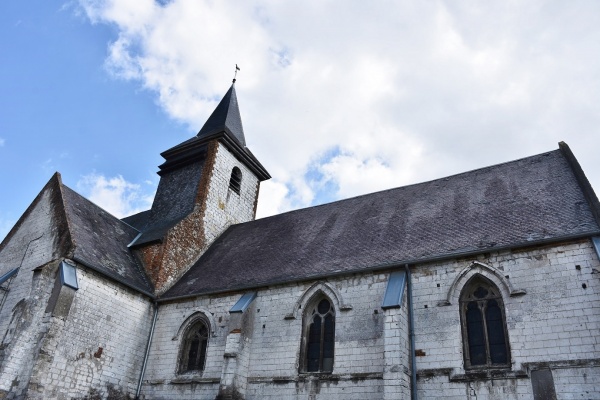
235, 74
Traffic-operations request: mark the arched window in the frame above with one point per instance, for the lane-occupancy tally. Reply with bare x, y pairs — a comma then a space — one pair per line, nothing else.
193, 348
485, 338
319, 336
235, 182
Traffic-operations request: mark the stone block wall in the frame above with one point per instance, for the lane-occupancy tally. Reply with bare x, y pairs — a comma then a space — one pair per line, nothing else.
552, 322
93, 346
98, 348
225, 207
33, 247
552, 316
269, 344
213, 207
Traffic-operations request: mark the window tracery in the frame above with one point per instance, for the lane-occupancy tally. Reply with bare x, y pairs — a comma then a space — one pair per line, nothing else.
194, 347
484, 331
319, 336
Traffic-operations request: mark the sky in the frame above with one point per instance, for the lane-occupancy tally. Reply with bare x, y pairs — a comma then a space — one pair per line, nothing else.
338, 98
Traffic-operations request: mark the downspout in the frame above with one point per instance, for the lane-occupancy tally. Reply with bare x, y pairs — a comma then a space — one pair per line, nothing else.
411, 335
139, 386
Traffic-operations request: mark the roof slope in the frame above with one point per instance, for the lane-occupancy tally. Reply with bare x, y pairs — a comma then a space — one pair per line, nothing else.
100, 241
528, 201
226, 117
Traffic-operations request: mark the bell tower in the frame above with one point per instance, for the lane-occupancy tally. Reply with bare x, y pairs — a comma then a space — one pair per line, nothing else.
207, 183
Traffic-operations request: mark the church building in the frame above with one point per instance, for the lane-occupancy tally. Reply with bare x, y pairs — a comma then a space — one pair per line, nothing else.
481, 285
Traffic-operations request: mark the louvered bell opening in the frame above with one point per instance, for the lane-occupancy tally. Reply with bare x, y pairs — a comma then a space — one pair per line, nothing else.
235, 182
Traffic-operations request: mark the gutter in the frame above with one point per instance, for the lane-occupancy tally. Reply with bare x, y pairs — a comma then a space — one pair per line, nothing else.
411, 335
147, 352
386, 266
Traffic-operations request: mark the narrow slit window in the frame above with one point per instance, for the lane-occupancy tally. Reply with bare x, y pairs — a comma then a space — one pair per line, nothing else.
235, 182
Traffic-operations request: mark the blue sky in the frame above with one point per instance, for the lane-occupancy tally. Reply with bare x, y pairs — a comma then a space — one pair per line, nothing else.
337, 98
61, 111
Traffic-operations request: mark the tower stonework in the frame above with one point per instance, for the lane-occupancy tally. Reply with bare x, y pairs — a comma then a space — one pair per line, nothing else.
207, 183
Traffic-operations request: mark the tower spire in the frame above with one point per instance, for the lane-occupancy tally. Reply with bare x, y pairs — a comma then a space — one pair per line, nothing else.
226, 118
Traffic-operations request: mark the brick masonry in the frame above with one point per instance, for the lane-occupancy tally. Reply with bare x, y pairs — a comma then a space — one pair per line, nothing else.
215, 208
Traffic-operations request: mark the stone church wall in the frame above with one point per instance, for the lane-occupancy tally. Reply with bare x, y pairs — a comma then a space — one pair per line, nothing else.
98, 348
34, 247
224, 207
270, 339
552, 323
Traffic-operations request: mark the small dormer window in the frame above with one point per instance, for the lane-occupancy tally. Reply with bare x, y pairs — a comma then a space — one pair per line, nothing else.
235, 182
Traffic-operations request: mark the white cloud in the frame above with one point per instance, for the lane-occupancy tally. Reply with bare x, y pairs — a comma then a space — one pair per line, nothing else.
115, 194
273, 195
2, 141
404, 91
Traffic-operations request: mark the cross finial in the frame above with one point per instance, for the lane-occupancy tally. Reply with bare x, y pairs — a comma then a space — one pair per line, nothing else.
236, 71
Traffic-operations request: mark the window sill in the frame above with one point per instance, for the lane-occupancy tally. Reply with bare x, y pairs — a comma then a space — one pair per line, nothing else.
317, 376
460, 375
189, 378
488, 373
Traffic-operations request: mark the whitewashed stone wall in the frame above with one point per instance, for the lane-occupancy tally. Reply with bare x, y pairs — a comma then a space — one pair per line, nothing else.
162, 380
58, 357
224, 207
22, 323
98, 349
552, 324
271, 332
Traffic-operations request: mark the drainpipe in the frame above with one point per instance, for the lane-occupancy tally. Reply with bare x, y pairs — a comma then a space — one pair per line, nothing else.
411, 334
139, 386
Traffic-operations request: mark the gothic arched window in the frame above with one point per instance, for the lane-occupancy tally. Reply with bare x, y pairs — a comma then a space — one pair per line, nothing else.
235, 182
193, 348
485, 337
319, 336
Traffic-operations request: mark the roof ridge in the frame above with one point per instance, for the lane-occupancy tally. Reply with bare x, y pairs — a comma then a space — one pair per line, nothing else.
404, 186
225, 118
140, 268
71, 239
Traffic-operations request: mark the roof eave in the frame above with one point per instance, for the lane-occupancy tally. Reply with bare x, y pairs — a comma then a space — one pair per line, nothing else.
186, 153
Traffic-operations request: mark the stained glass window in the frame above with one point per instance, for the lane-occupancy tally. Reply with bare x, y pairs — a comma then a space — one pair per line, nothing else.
320, 337
484, 325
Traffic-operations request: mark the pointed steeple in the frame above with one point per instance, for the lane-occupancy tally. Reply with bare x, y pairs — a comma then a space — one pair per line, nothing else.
196, 199
226, 117
223, 125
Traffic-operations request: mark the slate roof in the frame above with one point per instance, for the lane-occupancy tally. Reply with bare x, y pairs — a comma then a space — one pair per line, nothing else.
225, 125
533, 200
137, 220
226, 117
100, 241
173, 201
